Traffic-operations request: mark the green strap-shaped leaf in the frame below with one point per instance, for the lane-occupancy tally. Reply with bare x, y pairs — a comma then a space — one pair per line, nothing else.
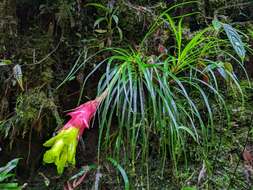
116, 19
4, 171
5, 62
9, 166
235, 40
122, 172
98, 21
189, 188
10, 186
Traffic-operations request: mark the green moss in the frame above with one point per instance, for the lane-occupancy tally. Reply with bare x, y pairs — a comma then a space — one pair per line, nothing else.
33, 109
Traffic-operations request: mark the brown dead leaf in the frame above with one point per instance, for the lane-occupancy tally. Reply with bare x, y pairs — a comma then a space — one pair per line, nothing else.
247, 157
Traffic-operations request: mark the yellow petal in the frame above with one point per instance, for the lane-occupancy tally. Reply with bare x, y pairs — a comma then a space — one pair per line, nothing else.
53, 154
51, 141
61, 161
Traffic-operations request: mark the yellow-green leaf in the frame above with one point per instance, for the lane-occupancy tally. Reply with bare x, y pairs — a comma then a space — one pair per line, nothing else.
5, 62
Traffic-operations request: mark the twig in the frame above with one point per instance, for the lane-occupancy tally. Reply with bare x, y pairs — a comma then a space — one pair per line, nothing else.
143, 9
46, 57
230, 6
29, 146
54, 109
30, 135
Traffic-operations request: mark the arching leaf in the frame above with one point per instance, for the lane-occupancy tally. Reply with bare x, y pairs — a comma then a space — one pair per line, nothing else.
5, 62
122, 172
235, 40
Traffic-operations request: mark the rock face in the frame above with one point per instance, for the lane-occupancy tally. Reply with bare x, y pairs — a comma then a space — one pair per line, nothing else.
8, 33
8, 22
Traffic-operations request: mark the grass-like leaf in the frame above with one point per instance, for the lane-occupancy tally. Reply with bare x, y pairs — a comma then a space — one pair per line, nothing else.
122, 172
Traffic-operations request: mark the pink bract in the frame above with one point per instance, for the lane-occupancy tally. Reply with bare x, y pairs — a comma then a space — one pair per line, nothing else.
81, 116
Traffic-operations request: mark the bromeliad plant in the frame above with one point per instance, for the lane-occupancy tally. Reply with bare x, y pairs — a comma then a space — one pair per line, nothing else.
65, 142
162, 97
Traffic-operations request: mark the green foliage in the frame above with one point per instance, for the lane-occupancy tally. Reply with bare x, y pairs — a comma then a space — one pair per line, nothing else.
5, 62
162, 107
110, 21
161, 98
64, 15
122, 172
160, 103
216, 24
63, 10
31, 107
189, 188
233, 37
5, 175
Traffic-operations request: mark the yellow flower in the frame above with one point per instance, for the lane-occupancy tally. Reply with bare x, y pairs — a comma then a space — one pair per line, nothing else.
64, 144
63, 148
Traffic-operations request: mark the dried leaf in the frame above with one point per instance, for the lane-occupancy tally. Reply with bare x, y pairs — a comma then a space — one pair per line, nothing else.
202, 173
205, 78
17, 72
97, 180
46, 180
